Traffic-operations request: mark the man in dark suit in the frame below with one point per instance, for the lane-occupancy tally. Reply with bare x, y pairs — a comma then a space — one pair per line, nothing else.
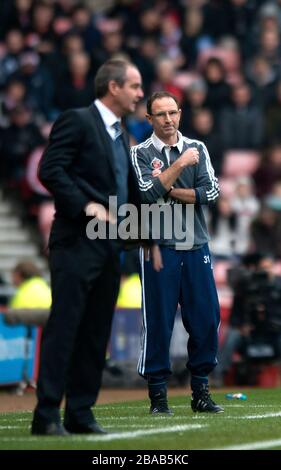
86, 162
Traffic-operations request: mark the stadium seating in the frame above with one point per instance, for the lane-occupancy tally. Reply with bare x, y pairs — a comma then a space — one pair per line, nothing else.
227, 186
240, 163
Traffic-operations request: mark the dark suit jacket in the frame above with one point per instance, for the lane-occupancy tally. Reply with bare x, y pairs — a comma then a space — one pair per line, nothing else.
78, 167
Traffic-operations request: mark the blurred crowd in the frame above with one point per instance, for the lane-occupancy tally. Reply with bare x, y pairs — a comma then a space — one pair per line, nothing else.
222, 59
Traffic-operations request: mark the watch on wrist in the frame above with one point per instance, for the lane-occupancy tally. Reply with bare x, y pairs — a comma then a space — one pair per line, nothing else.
171, 188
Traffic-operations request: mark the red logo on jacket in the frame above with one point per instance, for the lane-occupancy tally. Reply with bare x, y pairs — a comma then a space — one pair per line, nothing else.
157, 164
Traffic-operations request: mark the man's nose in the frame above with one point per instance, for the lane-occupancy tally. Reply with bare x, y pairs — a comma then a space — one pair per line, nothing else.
168, 117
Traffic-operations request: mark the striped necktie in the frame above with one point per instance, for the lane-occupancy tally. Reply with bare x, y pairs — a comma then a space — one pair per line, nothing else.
118, 129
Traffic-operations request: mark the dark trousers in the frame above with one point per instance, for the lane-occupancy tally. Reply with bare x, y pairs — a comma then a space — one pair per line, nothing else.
186, 279
85, 282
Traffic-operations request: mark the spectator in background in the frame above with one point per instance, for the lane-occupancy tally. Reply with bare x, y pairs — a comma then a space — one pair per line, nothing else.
64, 8
17, 141
144, 57
112, 44
218, 90
270, 47
269, 171
266, 232
267, 18
42, 23
149, 22
130, 287
245, 206
193, 38
38, 82
273, 116
203, 128
32, 292
83, 25
169, 38
12, 96
262, 78
223, 225
241, 123
10, 63
76, 89
194, 99
165, 74
20, 15
241, 16
71, 43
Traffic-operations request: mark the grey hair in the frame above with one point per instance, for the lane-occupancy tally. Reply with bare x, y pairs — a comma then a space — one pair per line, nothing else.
113, 69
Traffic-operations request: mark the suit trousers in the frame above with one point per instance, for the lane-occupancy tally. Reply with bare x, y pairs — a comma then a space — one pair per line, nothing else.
85, 281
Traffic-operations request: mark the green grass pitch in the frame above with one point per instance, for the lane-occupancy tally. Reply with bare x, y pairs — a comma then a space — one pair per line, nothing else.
251, 425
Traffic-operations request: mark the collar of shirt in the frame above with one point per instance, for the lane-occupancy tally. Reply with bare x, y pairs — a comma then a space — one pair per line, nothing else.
108, 117
159, 144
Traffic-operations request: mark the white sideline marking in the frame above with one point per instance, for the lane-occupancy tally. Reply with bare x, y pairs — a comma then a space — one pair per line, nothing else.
10, 427
144, 432
166, 418
266, 415
17, 420
253, 445
248, 405
113, 436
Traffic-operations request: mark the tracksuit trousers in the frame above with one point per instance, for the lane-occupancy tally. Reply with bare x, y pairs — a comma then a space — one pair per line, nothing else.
186, 279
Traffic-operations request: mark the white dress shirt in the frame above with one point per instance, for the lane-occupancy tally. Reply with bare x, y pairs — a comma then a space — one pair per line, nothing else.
108, 117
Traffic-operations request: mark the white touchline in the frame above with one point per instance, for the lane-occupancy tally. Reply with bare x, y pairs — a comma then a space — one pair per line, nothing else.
10, 427
113, 436
15, 419
144, 432
253, 445
266, 415
261, 416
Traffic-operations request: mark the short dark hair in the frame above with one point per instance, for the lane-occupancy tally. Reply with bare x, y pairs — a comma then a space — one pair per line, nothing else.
158, 95
112, 69
27, 270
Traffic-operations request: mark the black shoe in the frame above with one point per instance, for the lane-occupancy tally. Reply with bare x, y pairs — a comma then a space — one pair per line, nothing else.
41, 428
201, 401
78, 428
159, 404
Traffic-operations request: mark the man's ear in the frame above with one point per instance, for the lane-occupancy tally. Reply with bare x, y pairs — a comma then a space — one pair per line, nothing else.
113, 87
149, 118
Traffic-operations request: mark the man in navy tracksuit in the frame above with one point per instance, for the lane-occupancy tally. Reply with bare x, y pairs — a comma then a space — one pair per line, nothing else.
175, 170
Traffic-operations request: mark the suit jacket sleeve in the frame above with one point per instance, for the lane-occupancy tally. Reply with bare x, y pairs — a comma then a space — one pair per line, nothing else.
57, 160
